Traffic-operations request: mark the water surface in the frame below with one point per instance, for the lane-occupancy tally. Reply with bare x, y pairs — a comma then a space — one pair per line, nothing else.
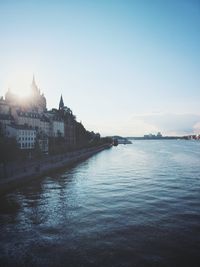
132, 205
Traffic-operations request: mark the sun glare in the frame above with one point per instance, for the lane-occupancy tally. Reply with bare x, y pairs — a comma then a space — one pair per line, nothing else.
22, 89
21, 86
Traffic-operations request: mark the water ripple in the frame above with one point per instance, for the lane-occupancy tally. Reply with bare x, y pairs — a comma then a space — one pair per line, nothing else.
134, 205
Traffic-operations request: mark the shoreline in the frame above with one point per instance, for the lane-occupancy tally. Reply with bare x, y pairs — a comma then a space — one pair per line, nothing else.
37, 169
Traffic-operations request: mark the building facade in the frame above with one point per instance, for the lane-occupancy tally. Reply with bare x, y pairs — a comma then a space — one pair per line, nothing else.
24, 135
29, 121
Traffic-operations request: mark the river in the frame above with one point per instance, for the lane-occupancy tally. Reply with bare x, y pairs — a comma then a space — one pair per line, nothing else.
131, 205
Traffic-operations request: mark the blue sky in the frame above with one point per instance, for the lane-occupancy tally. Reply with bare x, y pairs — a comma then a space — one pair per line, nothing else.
120, 65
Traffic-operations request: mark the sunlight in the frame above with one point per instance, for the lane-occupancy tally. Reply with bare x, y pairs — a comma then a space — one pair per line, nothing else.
20, 85
22, 89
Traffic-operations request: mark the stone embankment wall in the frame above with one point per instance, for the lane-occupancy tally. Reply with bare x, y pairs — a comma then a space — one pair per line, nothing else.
15, 173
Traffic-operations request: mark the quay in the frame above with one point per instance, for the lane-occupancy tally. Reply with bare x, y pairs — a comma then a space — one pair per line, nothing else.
19, 174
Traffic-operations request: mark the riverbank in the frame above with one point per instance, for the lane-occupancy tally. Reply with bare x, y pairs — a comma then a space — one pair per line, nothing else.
18, 174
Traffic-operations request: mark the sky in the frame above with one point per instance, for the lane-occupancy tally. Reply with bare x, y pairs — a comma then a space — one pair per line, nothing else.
125, 67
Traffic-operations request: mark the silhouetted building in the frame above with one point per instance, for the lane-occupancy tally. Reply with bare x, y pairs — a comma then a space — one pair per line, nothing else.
38, 101
30, 123
61, 104
69, 123
35, 103
153, 136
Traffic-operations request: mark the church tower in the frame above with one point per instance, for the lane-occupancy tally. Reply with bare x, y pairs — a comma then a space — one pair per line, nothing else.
38, 101
61, 104
34, 87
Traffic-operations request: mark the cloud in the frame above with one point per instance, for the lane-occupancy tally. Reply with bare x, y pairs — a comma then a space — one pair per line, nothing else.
170, 124
140, 124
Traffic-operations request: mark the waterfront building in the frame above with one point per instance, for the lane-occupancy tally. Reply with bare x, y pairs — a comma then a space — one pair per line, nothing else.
153, 136
70, 136
69, 123
24, 135
159, 135
28, 118
35, 103
56, 123
57, 127
4, 107
61, 103
38, 100
11, 99
5, 119
43, 142
45, 125
18, 115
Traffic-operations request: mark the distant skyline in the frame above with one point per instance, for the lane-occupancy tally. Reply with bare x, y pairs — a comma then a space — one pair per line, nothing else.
123, 67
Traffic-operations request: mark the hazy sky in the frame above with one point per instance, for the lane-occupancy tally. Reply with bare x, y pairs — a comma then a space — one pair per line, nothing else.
123, 67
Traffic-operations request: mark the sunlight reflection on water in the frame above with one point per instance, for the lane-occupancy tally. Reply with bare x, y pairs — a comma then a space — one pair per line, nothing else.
133, 205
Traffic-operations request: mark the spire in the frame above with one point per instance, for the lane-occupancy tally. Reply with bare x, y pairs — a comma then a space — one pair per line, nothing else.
35, 90
33, 81
61, 104
34, 87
